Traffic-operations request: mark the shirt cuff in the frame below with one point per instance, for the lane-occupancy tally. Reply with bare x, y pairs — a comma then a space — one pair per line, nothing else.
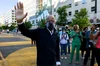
58, 63
20, 23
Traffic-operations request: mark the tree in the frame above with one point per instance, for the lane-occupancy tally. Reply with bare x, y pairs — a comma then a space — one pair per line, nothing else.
81, 18
42, 23
13, 26
5, 27
62, 16
28, 24
0, 27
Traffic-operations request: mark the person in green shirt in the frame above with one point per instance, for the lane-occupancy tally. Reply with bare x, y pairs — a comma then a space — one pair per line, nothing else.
76, 43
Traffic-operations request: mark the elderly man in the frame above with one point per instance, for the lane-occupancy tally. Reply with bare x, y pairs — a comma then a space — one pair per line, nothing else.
46, 38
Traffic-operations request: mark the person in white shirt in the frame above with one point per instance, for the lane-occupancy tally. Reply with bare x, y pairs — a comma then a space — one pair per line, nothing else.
63, 42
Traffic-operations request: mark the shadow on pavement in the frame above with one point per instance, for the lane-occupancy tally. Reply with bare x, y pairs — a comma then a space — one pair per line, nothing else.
7, 50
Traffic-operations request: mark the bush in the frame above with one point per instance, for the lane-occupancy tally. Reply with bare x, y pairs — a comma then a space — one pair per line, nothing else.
28, 24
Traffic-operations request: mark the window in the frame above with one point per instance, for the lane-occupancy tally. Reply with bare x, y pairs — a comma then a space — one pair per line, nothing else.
70, 13
55, 16
92, 0
76, 4
92, 9
70, 5
33, 22
76, 11
54, 10
13, 18
13, 13
12, 10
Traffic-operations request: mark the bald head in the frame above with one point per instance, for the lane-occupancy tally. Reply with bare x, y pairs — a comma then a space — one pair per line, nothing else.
50, 18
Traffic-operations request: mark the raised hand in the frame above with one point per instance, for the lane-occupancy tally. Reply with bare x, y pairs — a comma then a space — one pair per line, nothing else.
19, 12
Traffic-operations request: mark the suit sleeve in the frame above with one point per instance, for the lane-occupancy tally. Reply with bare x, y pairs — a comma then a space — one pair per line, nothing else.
33, 34
57, 50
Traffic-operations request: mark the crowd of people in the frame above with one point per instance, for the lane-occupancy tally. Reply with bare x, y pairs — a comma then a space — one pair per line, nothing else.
84, 41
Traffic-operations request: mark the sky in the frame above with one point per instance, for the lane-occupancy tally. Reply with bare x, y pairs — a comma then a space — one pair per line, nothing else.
5, 5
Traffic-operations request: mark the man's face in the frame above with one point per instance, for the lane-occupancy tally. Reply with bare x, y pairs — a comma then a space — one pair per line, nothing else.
93, 27
50, 23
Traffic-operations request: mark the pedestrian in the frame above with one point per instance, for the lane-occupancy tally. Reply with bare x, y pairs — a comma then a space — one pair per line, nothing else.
63, 42
83, 45
76, 43
7, 30
60, 31
90, 47
97, 47
33, 42
47, 38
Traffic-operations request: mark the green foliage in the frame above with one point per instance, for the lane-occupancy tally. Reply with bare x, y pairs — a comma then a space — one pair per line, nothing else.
62, 16
0, 27
41, 24
5, 27
13, 26
81, 18
28, 24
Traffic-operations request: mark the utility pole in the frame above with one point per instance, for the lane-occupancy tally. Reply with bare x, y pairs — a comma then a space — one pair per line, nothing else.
95, 6
95, 12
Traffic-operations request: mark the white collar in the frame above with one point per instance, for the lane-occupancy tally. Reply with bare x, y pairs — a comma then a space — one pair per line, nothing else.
51, 32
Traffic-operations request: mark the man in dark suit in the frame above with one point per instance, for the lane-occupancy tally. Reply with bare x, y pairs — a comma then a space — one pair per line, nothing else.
47, 38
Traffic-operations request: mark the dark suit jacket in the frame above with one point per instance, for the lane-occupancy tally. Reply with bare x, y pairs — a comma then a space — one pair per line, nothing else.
47, 45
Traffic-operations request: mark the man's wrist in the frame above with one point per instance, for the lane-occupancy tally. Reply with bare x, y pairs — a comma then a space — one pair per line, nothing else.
20, 23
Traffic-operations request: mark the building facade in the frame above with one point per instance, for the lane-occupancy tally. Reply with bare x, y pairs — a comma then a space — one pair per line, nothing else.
9, 17
29, 7
76, 5
1, 20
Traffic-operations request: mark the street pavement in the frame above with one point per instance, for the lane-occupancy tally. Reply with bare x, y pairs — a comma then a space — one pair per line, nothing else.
7, 50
